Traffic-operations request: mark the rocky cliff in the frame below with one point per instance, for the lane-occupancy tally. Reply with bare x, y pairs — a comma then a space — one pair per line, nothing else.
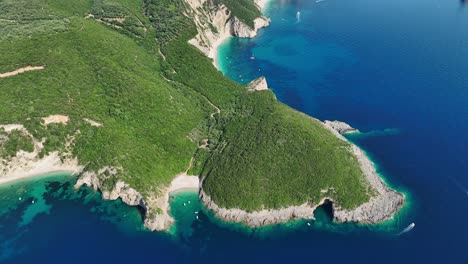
383, 204
154, 219
215, 23
259, 84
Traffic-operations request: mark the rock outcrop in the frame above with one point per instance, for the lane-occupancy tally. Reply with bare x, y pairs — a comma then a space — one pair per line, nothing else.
259, 84
259, 218
155, 205
340, 127
122, 190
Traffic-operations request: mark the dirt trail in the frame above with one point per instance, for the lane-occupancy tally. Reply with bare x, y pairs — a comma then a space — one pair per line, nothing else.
21, 70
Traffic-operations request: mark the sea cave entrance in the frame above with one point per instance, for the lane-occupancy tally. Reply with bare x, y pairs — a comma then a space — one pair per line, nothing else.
325, 212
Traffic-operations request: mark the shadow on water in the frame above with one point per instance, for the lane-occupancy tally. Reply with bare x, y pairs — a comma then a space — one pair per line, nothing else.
324, 213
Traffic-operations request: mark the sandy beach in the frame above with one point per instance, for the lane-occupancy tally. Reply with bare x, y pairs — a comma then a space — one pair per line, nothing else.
184, 182
26, 165
46, 173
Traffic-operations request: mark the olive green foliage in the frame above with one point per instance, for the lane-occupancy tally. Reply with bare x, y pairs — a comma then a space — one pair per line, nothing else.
167, 18
199, 161
11, 143
125, 15
271, 156
21, 18
244, 10
93, 71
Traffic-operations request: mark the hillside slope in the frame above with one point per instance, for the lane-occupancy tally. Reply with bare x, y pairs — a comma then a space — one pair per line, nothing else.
120, 97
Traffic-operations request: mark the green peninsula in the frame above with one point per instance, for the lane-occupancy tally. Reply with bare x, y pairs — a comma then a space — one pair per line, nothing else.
124, 94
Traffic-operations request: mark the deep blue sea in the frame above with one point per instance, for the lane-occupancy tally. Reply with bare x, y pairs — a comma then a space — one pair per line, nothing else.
397, 70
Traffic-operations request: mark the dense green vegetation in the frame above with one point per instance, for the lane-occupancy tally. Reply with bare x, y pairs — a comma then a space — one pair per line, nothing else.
12, 142
271, 156
245, 10
155, 111
125, 16
93, 71
167, 18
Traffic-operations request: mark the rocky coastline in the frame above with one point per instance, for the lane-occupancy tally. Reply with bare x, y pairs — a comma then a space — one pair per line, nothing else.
155, 207
381, 206
25, 165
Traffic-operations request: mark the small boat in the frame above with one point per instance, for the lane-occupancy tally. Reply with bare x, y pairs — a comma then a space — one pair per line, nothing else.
185, 204
308, 224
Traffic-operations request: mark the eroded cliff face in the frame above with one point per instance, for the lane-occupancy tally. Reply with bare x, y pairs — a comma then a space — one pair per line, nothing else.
155, 207
385, 202
30, 164
215, 23
259, 84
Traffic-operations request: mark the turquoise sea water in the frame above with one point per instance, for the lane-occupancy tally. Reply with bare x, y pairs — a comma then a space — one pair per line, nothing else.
396, 70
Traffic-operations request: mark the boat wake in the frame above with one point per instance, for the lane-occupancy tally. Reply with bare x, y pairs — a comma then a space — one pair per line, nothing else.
407, 229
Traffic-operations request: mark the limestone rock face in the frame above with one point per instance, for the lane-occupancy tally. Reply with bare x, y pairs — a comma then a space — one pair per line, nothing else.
259, 218
123, 191
340, 127
120, 190
215, 23
239, 29
159, 222
383, 204
259, 84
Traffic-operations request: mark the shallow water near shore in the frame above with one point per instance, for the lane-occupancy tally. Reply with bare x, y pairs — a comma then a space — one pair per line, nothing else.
396, 70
